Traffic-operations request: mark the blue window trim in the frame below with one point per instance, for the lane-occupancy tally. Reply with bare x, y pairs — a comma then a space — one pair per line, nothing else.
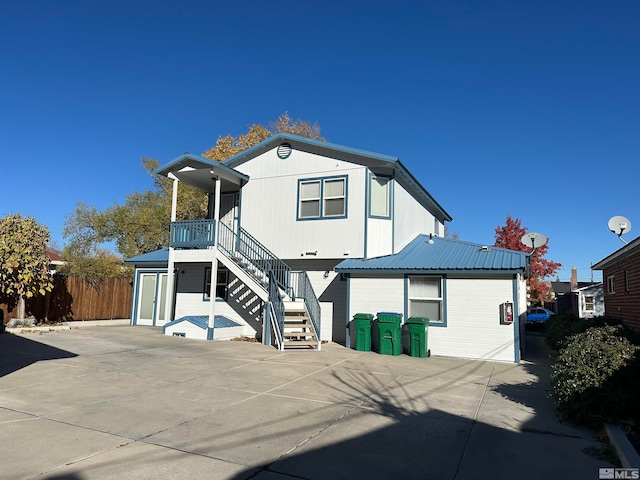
322, 180
443, 323
389, 194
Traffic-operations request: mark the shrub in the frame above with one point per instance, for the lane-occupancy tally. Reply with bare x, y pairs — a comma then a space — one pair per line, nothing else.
562, 326
559, 328
594, 379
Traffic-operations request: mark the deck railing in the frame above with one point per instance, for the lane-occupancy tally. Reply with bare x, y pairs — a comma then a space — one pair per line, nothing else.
193, 234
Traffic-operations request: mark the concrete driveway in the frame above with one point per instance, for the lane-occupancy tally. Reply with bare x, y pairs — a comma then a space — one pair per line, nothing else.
124, 402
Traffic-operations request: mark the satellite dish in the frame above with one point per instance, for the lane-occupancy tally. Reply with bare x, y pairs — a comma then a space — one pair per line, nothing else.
619, 225
533, 240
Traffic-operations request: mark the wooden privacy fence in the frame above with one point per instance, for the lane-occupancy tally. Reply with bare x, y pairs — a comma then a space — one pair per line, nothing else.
73, 298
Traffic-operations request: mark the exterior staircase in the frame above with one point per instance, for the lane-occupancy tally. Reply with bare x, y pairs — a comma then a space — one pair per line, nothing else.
299, 332
296, 322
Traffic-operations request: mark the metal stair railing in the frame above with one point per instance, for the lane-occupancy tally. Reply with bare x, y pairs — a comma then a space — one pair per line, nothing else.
276, 311
253, 256
301, 288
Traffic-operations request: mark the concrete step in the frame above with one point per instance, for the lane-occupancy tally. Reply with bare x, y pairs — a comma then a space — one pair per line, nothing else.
291, 344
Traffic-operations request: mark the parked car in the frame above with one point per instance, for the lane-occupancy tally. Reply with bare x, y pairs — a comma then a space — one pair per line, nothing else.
538, 315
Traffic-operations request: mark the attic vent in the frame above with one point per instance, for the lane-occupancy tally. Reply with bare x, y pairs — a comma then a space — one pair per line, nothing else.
284, 150
484, 248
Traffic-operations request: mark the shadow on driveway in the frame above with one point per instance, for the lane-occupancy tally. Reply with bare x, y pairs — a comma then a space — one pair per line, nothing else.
17, 352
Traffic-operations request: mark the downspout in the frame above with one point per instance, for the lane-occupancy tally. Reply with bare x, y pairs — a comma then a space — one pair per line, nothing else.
214, 263
516, 313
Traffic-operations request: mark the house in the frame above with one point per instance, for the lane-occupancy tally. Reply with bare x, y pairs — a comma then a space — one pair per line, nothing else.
583, 299
269, 259
460, 287
55, 260
621, 279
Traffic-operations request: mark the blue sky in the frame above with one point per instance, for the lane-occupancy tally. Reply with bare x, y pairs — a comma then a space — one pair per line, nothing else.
498, 107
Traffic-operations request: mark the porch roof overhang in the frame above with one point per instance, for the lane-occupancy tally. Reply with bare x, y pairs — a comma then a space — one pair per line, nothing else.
439, 256
199, 172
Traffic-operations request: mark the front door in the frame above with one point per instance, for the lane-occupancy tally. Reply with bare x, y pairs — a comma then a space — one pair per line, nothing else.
229, 210
152, 295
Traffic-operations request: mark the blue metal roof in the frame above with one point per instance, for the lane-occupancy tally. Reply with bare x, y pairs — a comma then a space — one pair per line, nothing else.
159, 257
439, 255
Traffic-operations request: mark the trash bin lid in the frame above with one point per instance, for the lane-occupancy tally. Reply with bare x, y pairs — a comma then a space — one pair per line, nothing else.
363, 316
418, 320
389, 317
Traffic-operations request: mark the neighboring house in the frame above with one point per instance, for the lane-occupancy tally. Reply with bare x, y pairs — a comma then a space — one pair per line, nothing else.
282, 216
55, 261
621, 279
583, 299
590, 300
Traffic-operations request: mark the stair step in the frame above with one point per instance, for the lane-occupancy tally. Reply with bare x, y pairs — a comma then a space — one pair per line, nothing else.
296, 318
300, 343
298, 335
296, 324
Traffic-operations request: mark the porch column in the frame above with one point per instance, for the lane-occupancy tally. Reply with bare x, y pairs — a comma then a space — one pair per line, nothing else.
169, 307
214, 261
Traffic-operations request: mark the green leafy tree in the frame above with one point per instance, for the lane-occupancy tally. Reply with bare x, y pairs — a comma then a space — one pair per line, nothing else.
141, 224
509, 236
24, 263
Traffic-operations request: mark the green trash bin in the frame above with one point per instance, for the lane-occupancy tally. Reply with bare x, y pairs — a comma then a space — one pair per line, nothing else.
390, 333
414, 337
362, 326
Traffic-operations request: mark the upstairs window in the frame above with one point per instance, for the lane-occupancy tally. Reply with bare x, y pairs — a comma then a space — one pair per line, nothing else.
379, 197
322, 198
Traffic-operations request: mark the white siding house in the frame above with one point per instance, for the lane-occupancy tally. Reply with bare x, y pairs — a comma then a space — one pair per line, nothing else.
282, 216
460, 287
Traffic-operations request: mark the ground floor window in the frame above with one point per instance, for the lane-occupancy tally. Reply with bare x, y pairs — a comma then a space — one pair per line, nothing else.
221, 283
425, 298
588, 303
610, 285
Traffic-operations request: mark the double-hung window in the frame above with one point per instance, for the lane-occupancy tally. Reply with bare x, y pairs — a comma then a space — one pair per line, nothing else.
379, 204
322, 198
611, 285
589, 303
425, 298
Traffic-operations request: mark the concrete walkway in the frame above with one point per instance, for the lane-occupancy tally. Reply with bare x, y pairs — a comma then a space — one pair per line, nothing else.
126, 402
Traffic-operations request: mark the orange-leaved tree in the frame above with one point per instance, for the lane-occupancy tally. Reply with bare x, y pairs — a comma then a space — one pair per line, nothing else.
509, 236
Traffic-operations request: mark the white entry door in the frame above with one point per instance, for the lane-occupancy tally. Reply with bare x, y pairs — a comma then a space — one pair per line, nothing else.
152, 296
229, 210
